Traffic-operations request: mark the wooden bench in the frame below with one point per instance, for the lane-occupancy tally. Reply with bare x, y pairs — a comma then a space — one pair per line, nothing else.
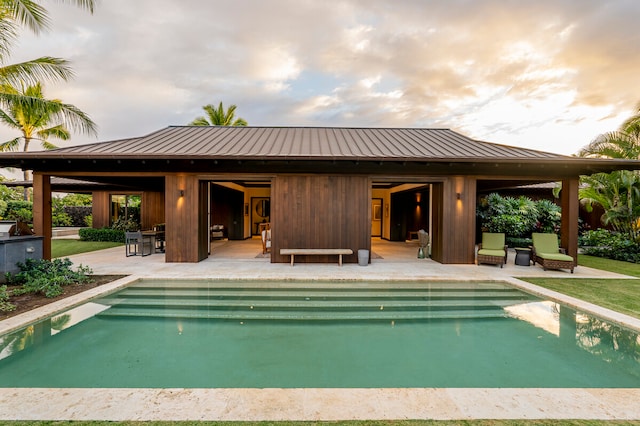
294, 252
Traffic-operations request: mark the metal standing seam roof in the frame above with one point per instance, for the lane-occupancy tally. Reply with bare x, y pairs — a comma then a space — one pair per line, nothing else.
315, 143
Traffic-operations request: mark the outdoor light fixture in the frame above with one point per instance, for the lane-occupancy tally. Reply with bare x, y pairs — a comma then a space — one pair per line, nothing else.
182, 192
457, 195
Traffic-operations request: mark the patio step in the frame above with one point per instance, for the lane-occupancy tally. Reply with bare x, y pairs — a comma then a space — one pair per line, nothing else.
302, 293
304, 316
320, 303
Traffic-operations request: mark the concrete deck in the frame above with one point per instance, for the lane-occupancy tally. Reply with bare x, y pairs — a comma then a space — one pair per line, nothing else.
243, 260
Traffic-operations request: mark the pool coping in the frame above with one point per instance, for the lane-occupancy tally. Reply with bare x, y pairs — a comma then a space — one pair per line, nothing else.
315, 404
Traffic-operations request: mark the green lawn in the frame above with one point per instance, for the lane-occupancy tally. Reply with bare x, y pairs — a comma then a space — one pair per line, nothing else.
621, 295
64, 247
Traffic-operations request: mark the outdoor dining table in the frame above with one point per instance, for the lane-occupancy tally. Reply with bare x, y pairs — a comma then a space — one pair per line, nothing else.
157, 239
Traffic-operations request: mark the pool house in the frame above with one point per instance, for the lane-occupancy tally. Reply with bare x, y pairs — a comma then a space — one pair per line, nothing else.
316, 187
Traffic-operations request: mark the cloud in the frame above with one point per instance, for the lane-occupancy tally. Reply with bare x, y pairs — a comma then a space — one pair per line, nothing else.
542, 74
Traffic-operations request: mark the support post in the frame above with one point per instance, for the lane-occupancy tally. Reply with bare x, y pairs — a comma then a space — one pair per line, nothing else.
182, 219
569, 202
42, 211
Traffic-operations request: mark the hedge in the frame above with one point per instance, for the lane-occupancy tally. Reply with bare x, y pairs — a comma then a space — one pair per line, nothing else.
102, 234
77, 214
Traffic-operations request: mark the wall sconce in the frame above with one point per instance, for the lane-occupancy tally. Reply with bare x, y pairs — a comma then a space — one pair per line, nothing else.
457, 195
182, 192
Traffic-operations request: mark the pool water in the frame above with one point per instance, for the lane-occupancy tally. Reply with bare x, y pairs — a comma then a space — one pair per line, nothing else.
213, 334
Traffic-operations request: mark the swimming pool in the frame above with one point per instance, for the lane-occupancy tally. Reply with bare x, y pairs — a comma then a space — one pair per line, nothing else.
237, 334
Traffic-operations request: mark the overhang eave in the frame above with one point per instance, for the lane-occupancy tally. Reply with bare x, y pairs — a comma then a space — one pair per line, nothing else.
570, 166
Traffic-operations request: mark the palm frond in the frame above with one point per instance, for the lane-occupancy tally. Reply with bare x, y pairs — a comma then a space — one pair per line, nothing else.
27, 13
45, 68
75, 119
616, 144
7, 119
48, 145
218, 116
12, 145
200, 121
57, 132
82, 4
8, 35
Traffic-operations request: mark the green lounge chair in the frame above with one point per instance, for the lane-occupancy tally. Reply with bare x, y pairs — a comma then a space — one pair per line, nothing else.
547, 253
492, 249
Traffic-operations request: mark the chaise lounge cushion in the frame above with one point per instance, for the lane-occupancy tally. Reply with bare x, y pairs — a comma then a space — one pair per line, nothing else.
489, 252
547, 252
555, 256
493, 241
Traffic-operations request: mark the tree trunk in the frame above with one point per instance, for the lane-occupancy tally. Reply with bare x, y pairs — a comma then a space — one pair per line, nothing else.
27, 173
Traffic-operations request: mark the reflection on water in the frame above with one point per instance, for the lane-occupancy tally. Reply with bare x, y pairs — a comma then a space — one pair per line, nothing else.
523, 333
544, 315
608, 341
39, 332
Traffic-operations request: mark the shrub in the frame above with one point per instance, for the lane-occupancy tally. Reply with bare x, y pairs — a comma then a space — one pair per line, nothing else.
5, 306
123, 224
517, 217
518, 242
598, 237
21, 211
603, 243
102, 234
78, 214
549, 216
88, 220
47, 276
61, 219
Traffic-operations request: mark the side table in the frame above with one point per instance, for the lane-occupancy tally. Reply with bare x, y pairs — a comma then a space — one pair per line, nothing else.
523, 256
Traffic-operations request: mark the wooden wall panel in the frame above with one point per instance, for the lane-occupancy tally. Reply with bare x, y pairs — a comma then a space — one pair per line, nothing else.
437, 213
101, 209
320, 212
182, 219
203, 221
569, 201
454, 220
42, 219
152, 209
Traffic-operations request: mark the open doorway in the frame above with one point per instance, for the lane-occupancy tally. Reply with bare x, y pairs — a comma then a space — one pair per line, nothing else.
376, 217
410, 212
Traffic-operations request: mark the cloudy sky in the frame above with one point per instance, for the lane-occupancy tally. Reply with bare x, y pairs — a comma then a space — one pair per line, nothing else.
548, 75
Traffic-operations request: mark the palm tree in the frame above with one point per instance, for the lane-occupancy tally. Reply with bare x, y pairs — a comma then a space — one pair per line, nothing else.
617, 192
619, 195
41, 123
622, 143
219, 117
29, 13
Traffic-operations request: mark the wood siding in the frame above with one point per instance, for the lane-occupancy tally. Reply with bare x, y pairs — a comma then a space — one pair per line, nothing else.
454, 220
203, 220
569, 201
101, 209
182, 219
152, 212
437, 237
320, 212
42, 219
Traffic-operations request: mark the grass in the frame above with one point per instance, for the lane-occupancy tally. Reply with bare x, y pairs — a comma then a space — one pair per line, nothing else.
621, 295
69, 247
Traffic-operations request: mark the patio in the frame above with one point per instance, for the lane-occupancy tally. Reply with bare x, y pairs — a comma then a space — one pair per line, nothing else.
243, 260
